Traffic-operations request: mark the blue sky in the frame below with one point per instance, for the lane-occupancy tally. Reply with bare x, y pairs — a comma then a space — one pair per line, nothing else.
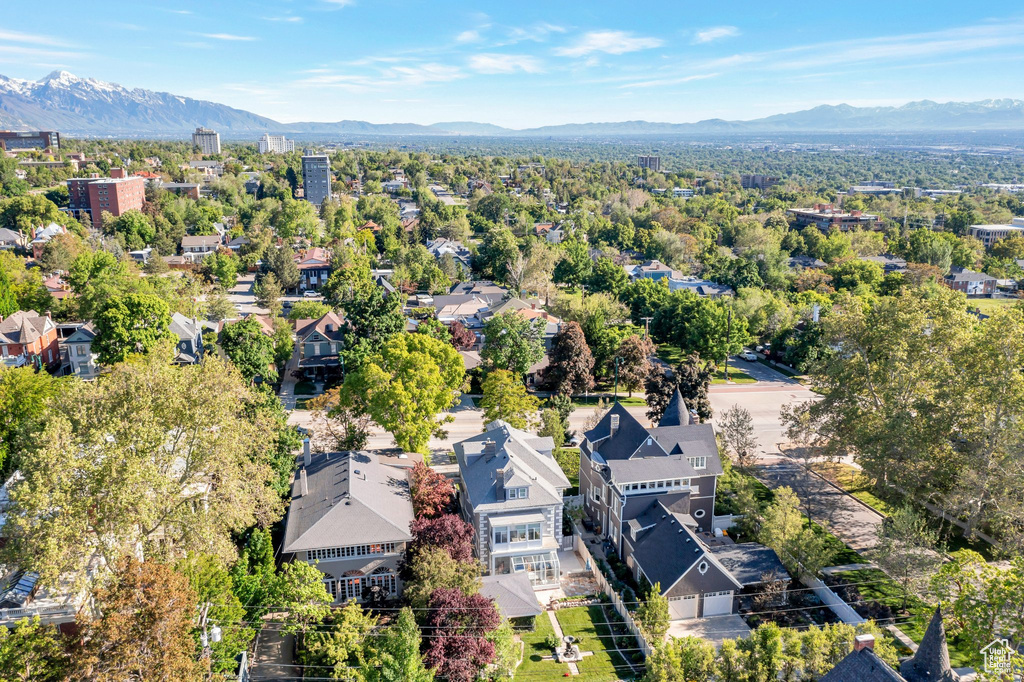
523, 64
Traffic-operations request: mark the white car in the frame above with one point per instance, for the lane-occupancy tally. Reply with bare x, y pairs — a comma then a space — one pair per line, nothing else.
748, 355
311, 294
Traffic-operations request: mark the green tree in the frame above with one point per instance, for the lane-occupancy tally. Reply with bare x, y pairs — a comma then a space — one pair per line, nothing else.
299, 591
407, 385
126, 464
26, 213
681, 658
572, 365
396, 653
433, 568
575, 267
223, 267
653, 614
512, 342
373, 317
783, 529
634, 355
607, 276
268, 293
8, 297
23, 397
33, 651
738, 436
128, 325
907, 550
308, 310
249, 348
505, 398
135, 227
214, 585
281, 262
341, 643
699, 325
553, 427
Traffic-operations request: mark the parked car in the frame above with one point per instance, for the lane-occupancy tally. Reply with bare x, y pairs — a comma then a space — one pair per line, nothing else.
748, 355
311, 294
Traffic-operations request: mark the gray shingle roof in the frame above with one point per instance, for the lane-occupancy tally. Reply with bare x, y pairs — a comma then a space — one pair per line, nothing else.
183, 327
676, 413
513, 593
525, 459
24, 327
353, 498
862, 666
749, 561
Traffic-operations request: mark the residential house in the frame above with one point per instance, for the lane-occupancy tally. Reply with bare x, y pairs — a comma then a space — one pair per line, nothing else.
28, 338
141, 255
651, 494
349, 516
314, 268
194, 248
702, 287
9, 239
319, 343
513, 594
58, 287
182, 189
237, 243
76, 353
889, 262
188, 349
806, 262
651, 269
441, 246
970, 282
43, 235
511, 492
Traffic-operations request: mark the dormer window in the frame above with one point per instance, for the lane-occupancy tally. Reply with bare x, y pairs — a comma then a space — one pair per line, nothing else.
516, 493
698, 462
614, 423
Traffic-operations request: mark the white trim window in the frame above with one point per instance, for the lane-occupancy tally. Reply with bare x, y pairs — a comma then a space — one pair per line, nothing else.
516, 493
698, 462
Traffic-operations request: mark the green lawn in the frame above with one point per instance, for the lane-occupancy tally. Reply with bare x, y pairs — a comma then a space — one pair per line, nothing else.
534, 649
305, 388
987, 306
885, 590
589, 623
736, 376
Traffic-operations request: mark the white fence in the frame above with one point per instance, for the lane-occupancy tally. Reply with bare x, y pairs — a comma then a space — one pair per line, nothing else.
845, 612
617, 603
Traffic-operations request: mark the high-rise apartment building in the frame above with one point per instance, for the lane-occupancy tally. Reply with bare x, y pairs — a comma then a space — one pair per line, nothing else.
316, 178
275, 144
649, 162
96, 196
207, 140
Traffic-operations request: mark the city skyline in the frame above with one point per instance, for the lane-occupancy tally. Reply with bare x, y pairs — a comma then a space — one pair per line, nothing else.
519, 67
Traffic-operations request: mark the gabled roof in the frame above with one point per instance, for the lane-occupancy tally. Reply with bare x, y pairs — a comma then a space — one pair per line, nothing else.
522, 459
303, 328
351, 498
7, 235
23, 327
930, 663
513, 593
183, 327
666, 548
84, 334
200, 240
626, 439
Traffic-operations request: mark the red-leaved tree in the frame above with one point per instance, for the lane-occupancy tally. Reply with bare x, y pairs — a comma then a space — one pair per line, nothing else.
462, 338
449, 532
459, 623
432, 493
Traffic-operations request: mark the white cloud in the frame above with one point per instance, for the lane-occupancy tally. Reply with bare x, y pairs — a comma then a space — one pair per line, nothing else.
710, 34
31, 39
227, 36
669, 81
536, 32
471, 36
425, 73
505, 63
338, 4
288, 20
610, 42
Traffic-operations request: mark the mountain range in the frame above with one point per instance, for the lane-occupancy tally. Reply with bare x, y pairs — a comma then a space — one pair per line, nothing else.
86, 106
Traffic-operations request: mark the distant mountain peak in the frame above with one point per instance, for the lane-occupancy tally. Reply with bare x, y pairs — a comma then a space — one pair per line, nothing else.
63, 101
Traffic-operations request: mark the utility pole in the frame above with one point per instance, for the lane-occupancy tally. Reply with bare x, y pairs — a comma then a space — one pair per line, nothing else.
207, 638
647, 326
728, 337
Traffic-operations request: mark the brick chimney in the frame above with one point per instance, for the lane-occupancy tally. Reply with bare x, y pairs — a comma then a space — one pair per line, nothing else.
863, 642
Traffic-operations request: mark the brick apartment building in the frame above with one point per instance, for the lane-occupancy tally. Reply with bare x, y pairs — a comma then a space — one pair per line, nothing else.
115, 195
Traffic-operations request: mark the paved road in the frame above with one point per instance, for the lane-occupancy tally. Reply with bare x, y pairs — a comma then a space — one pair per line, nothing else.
242, 296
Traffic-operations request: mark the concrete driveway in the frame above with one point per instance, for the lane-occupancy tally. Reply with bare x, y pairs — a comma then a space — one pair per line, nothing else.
242, 297
714, 629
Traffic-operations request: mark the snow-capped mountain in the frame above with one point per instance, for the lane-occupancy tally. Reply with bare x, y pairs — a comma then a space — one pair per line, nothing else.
65, 102
62, 101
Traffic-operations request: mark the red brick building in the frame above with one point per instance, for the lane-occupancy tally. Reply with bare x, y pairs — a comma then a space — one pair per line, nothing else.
114, 195
28, 338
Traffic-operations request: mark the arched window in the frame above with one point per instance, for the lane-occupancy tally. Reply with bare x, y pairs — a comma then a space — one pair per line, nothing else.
384, 577
351, 586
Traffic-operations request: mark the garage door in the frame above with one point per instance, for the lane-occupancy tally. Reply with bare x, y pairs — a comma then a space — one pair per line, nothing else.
717, 603
681, 608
